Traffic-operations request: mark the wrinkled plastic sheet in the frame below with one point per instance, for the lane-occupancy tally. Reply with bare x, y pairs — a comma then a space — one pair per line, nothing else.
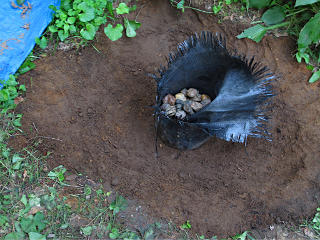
18, 29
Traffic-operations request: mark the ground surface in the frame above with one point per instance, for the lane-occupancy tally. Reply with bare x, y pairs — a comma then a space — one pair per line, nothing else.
97, 104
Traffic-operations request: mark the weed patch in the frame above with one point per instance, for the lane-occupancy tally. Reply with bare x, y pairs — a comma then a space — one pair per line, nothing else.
82, 18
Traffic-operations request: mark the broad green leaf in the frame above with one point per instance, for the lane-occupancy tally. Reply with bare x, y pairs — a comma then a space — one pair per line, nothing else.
216, 8
3, 220
12, 81
310, 33
305, 2
258, 3
273, 15
14, 236
43, 43
4, 95
255, 33
66, 4
118, 204
302, 55
72, 12
17, 122
88, 12
180, 5
71, 20
315, 77
86, 230
114, 233
63, 16
242, 236
73, 29
24, 200
100, 20
34, 223
53, 29
131, 27
89, 33
122, 9
62, 35
66, 28
149, 234
34, 200
16, 158
113, 33
36, 236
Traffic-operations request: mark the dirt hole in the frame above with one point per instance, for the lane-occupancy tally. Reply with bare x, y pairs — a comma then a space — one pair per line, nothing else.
98, 105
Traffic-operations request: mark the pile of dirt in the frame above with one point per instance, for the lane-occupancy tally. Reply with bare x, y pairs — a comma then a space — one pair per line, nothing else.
98, 105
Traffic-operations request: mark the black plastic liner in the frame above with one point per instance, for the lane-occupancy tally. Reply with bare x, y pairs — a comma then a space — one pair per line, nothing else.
239, 89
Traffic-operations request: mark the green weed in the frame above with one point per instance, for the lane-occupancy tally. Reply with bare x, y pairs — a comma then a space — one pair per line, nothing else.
82, 18
301, 20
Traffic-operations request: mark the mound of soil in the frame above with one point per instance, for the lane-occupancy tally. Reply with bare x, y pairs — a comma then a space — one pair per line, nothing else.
98, 105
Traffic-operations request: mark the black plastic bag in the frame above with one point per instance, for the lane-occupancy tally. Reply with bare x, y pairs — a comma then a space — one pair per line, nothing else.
239, 88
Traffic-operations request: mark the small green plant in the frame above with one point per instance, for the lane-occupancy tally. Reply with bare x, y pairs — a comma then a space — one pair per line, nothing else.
9, 92
301, 20
313, 225
186, 225
27, 65
316, 222
42, 42
82, 18
57, 174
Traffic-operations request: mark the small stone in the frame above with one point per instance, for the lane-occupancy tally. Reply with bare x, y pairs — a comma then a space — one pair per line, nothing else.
171, 111
187, 107
90, 110
179, 101
205, 102
196, 106
181, 114
179, 106
165, 106
115, 181
170, 99
80, 114
197, 98
184, 91
180, 96
205, 96
192, 92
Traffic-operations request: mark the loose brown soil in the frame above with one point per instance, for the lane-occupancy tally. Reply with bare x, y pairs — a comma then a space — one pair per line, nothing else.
98, 105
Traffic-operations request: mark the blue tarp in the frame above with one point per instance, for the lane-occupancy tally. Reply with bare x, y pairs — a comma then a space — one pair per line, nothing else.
18, 29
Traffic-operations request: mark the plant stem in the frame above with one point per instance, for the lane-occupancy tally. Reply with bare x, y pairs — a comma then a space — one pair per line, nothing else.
294, 13
278, 25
